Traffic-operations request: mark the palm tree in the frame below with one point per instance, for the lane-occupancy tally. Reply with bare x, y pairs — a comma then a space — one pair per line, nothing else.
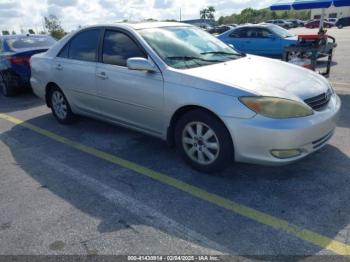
203, 13
211, 10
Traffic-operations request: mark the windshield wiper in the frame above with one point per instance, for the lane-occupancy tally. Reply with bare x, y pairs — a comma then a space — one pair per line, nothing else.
189, 58
221, 53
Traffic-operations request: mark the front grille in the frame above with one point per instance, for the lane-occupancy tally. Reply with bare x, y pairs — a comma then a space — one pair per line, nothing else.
319, 102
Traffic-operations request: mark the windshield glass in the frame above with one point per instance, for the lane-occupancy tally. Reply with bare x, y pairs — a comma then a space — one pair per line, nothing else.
30, 42
281, 31
187, 47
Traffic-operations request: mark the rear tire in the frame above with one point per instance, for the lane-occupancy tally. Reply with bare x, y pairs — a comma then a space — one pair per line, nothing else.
60, 107
7, 87
204, 141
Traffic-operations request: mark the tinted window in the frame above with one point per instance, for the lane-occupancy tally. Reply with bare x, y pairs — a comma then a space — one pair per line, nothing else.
258, 33
252, 32
30, 42
118, 47
84, 45
239, 33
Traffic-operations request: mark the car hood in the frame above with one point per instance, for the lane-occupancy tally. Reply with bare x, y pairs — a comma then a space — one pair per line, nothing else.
259, 76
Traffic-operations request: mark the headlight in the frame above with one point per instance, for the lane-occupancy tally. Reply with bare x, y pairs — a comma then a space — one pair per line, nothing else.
274, 107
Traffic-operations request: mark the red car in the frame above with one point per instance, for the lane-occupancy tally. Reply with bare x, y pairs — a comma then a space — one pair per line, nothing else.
316, 24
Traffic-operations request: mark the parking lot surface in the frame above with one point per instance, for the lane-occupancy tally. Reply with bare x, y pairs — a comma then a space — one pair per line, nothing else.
93, 188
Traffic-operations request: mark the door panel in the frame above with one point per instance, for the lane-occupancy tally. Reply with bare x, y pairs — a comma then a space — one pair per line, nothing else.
75, 70
128, 96
78, 81
133, 97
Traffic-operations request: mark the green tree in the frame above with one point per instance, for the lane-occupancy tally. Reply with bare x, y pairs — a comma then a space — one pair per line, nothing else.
250, 15
203, 13
207, 13
211, 12
53, 26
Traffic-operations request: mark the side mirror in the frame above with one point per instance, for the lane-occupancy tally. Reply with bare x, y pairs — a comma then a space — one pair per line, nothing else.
140, 64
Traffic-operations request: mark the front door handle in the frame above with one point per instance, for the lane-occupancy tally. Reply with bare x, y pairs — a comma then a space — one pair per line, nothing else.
102, 75
59, 67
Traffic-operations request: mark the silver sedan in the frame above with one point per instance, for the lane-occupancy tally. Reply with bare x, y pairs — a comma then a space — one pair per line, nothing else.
178, 83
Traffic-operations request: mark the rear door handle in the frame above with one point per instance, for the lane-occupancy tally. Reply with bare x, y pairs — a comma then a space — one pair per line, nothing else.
59, 67
102, 75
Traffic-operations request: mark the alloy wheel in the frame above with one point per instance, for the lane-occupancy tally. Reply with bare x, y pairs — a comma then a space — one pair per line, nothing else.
59, 105
200, 143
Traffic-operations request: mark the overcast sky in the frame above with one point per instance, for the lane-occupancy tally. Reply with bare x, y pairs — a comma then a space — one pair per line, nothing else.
16, 14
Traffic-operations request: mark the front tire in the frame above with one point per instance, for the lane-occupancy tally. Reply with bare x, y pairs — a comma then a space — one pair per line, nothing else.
340, 26
60, 107
204, 142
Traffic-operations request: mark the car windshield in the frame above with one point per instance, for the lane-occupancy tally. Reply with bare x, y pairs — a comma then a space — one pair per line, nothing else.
30, 42
187, 47
283, 33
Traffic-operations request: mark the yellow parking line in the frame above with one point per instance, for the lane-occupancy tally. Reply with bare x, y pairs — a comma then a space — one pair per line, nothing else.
245, 211
340, 84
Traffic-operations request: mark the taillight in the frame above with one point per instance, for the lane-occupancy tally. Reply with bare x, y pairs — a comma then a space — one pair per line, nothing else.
18, 60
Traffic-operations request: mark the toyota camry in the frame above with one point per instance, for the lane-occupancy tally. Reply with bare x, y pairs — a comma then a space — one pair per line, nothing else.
177, 82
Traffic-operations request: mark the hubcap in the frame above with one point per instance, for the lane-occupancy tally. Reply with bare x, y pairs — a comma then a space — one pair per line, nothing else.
200, 143
59, 105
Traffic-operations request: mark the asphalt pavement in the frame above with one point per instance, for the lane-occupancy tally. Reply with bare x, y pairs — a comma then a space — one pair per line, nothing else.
93, 188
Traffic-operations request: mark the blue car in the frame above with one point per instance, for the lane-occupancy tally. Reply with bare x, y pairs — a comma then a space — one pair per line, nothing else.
262, 39
15, 52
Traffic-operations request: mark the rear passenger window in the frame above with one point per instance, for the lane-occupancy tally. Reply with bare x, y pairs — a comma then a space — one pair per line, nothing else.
84, 46
118, 47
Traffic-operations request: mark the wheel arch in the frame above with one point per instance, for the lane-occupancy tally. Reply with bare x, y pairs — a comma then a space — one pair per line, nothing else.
181, 112
48, 89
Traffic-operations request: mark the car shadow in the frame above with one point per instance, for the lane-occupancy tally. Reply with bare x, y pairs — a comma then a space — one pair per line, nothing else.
312, 193
22, 101
344, 119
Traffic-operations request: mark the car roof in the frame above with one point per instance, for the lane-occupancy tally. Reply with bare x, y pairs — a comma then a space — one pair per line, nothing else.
262, 25
138, 26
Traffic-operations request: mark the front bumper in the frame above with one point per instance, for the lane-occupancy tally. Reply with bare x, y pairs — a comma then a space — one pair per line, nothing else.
255, 138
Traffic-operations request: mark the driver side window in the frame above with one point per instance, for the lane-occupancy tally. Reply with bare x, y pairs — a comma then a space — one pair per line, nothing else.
118, 48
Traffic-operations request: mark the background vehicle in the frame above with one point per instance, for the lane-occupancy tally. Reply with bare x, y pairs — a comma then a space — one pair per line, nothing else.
181, 84
15, 52
263, 39
333, 21
281, 23
344, 21
294, 23
316, 24
220, 29
301, 22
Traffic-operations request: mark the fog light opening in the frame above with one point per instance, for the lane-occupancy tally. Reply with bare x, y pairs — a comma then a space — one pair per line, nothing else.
286, 153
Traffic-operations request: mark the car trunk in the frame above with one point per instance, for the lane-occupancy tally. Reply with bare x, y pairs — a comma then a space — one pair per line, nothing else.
19, 61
